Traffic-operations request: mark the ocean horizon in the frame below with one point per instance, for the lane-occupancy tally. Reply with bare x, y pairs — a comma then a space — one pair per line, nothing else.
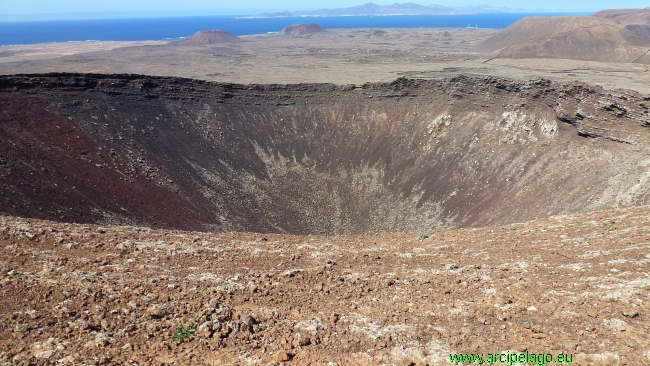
157, 29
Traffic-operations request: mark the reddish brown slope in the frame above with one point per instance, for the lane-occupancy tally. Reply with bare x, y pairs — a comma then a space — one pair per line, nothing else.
54, 168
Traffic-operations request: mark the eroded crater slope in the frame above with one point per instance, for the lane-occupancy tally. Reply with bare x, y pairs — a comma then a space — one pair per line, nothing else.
316, 158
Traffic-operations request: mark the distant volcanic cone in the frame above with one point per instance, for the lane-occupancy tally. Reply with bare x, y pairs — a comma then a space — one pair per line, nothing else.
636, 21
301, 29
208, 37
577, 38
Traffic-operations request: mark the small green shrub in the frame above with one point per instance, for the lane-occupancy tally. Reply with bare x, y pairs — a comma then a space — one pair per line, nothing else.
183, 333
609, 225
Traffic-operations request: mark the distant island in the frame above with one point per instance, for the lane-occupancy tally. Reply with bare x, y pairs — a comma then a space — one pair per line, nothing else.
370, 9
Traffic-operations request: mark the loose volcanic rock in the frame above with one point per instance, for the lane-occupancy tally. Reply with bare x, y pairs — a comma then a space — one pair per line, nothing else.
182, 298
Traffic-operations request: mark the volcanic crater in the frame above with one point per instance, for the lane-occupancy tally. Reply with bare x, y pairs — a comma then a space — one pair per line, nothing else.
408, 155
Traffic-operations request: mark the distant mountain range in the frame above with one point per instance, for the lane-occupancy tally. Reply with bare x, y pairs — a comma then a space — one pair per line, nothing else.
395, 9
491, 9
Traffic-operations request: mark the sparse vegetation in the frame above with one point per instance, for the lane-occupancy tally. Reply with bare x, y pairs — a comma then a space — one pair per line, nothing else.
610, 225
424, 235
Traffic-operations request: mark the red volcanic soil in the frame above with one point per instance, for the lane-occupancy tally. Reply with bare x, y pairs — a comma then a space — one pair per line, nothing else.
578, 38
55, 168
208, 37
636, 21
301, 29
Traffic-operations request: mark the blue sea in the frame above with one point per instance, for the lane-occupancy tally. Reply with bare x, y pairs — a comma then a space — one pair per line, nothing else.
30, 32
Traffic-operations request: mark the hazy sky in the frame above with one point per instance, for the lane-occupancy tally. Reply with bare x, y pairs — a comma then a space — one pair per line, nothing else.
229, 7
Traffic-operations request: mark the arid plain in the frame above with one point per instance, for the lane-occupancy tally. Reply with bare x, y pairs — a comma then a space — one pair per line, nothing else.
353, 56
338, 197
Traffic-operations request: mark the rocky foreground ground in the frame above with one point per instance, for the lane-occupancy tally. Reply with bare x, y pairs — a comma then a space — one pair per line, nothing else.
115, 295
